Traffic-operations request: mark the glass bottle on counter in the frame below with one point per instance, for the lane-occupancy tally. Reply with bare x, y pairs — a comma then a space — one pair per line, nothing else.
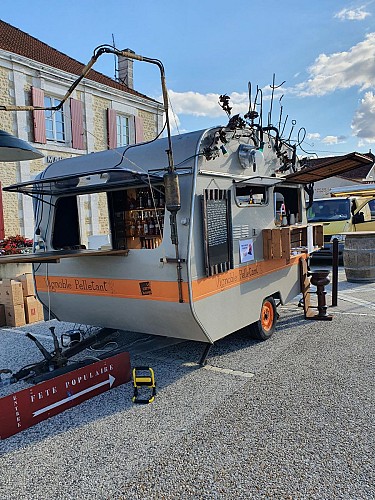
139, 225
145, 225
161, 225
149, 199
131, 202
140, 199
151, 226
132, 227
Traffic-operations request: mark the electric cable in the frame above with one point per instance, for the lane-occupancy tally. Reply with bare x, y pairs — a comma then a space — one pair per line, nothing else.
174, 115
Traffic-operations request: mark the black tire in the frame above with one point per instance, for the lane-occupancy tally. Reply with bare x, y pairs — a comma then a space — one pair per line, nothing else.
265, 326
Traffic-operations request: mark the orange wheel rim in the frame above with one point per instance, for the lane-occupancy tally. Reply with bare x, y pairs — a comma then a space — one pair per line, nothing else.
267, 316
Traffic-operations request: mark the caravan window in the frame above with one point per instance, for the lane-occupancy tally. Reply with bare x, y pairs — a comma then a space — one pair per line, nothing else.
66, 228
287, 202
126, 218
248, 195
73, 226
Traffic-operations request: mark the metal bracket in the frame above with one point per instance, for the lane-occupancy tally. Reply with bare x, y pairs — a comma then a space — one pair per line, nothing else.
172, 260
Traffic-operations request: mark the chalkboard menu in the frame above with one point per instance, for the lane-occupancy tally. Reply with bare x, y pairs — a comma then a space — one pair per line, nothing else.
217, 231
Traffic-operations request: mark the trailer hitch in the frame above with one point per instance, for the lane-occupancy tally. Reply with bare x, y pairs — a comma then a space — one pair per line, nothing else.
53, 362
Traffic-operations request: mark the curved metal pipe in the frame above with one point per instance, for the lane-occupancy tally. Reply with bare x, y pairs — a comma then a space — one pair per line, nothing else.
97, 53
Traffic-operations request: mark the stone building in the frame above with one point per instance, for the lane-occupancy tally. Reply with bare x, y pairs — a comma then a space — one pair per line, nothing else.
101, 113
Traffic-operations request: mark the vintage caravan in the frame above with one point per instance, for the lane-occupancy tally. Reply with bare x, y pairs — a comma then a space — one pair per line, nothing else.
196, 252
205, 231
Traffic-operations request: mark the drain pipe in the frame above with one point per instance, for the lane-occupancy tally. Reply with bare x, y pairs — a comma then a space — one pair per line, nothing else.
171, 181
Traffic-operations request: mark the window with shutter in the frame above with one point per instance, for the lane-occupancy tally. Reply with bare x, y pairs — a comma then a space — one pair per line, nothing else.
122, 123
54, 120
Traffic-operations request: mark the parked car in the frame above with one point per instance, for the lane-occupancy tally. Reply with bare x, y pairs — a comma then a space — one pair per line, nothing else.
341, 215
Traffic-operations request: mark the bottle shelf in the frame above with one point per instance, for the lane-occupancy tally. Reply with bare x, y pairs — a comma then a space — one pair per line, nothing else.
138, 218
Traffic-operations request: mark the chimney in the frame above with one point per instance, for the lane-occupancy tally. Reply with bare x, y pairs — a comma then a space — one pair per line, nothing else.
125, 70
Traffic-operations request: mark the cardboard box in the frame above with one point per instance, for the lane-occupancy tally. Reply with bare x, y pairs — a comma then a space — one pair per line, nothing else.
40, 309
2, 315
28, 287
12, 292
15, 315
31, 310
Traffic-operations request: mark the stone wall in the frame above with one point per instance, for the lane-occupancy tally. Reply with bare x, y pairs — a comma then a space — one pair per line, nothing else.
149, 124
100, 107
6, 117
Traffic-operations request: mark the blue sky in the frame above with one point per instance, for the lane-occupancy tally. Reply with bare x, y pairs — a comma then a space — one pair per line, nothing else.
324, 51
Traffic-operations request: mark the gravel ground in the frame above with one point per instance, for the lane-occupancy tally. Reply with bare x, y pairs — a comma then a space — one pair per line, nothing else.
288, 418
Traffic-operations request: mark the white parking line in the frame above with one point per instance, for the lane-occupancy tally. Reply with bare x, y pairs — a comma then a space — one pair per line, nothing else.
37, 335
226, 371
359, 302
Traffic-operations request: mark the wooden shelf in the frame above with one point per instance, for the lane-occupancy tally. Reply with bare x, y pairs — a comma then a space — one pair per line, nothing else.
282, 242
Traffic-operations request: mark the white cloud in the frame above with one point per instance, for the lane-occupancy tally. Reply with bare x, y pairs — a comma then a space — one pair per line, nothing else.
363, 124
357, 14
314, 136
333, 139
342, 70
197, 104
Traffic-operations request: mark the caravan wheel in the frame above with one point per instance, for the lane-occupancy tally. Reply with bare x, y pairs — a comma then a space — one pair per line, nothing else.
265, 326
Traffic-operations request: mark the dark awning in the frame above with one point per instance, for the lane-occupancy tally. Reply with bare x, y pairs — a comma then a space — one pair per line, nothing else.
85, 182
333, 166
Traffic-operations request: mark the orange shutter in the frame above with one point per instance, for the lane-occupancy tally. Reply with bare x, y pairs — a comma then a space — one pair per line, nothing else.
139, 132
37, 96
76, 114
112, 131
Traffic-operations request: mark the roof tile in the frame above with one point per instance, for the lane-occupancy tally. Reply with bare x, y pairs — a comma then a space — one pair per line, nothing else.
18, 42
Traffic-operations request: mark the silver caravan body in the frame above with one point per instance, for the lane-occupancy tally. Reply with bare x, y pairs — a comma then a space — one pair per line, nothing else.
235, 233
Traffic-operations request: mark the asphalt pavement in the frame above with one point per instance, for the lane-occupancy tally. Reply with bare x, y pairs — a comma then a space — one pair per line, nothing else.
289, 418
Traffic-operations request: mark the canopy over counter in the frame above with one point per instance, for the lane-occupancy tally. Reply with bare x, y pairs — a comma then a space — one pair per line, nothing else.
329, 168
85, 182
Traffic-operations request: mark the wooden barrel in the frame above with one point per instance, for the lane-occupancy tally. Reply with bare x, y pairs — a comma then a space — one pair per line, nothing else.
359, 257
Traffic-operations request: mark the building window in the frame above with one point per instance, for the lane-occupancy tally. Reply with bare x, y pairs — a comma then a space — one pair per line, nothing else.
122, 130
55, 126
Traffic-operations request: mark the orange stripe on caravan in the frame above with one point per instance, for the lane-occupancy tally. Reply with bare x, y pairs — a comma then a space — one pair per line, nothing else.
205, 287
130, 289
166, 291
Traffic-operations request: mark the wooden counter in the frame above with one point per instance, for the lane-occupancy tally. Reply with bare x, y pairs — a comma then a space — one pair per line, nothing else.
54, 256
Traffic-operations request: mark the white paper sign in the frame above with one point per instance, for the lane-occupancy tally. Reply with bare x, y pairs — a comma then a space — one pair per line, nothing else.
246, 250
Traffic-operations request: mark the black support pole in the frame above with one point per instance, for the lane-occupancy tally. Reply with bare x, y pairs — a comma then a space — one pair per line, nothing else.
335, 270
